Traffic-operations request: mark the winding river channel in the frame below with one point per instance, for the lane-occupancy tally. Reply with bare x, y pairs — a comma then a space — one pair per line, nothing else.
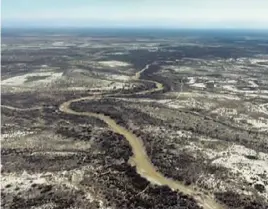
140, 158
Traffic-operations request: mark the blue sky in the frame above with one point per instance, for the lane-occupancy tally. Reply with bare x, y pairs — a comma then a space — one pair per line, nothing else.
137, 13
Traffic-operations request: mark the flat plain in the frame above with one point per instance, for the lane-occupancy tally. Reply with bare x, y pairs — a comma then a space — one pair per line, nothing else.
134, 119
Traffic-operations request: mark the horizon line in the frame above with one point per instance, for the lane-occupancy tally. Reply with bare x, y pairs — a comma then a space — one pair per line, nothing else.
132, 27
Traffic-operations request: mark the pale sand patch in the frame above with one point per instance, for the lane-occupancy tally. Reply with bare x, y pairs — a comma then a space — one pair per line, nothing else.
225, 111
194, 103
204, 95
230, 88
256, 95
52, 153
191, 80
187, 134
198, 85
168, 102
49, 205
208, 139
251, 170
15, 134
175, 106
222, 96
112, 86
177, 103
255, 60
20, 80
119, 77
261, 123
45, 141
234, 89
231, 81
253, 84
23, 181
114, 63
263, 108
76, 88
58, 43
180, 69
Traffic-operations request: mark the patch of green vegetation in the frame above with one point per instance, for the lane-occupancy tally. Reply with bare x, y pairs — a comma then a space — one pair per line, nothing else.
36, 78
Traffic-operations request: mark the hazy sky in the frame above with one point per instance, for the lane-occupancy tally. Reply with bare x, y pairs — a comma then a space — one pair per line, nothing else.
154, 13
